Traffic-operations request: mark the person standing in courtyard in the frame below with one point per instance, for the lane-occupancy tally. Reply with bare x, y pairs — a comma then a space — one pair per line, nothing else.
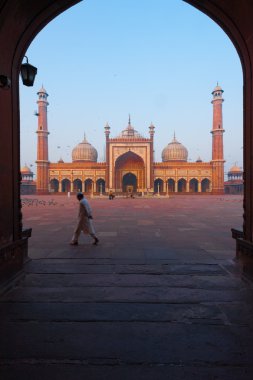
85, 222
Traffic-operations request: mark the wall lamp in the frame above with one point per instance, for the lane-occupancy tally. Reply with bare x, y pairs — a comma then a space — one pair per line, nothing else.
5, 82
28, 73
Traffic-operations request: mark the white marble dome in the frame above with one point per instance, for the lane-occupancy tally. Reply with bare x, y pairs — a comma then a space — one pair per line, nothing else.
174, 151
84, 152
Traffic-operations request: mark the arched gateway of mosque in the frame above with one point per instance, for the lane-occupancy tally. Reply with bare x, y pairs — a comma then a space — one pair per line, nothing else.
129, 173
129, 163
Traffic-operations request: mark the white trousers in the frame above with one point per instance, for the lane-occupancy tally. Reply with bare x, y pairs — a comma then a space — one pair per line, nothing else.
85, 225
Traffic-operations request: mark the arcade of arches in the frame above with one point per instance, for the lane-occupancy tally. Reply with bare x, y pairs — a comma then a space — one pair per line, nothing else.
234, 19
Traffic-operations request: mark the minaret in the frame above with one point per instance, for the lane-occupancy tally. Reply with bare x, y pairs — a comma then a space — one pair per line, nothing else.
42, 144
107, 173
151, 132
217, 143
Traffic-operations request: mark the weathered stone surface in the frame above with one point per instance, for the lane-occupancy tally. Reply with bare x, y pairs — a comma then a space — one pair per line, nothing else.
69, 370
160, 300
129, 342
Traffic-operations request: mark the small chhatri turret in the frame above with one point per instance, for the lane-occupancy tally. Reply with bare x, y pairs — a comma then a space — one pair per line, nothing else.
129, 132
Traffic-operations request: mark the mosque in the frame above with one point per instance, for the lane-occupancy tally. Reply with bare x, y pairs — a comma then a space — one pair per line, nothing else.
129, 165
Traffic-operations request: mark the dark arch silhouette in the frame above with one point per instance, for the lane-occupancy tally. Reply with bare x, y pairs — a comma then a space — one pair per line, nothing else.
159, 182
193, 185
77, 185
54, 184
181, 185
235, 20
171, 185
88, 185
129, 183
65, 185
205, 185
100, 185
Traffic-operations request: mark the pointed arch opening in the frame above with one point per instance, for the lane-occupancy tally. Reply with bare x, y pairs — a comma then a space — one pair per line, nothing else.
129, 183
100, 185
158, 186
54, 185
171, 185
205, 185
77, 185
193, 185
88, 186
182, 185
129, 165
65, 185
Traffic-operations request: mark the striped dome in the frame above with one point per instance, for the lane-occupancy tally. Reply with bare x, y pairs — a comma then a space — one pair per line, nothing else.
84, 152
174, 151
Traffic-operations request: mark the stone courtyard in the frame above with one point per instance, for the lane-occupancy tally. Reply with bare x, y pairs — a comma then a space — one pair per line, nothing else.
160, 297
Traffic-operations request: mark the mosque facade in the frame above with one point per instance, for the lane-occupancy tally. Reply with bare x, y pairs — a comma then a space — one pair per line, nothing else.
129, 165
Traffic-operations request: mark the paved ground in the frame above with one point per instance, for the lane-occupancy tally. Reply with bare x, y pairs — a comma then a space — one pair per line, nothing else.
159, 298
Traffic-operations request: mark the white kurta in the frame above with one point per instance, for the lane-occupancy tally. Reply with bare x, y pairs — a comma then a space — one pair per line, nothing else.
84, 223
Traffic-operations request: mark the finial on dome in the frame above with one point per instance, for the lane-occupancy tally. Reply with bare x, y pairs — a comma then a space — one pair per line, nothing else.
42, 91
84, 136
129, 120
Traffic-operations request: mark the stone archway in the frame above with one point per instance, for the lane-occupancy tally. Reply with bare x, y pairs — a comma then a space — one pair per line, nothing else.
182, 185
193, 185
236, 22
205, 185
171, 185
77, 185
54, 185
88, 185
158, 185
129, 183
65, 185
129, 162
100, 185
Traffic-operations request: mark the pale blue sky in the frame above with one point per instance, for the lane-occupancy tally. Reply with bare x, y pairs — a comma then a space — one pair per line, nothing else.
158, 60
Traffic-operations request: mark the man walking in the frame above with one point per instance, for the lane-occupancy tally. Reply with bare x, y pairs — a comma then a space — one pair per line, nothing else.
84, 223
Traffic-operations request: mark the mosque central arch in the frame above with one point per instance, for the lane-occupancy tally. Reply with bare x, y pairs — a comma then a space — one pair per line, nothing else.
129, 183
129, 172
